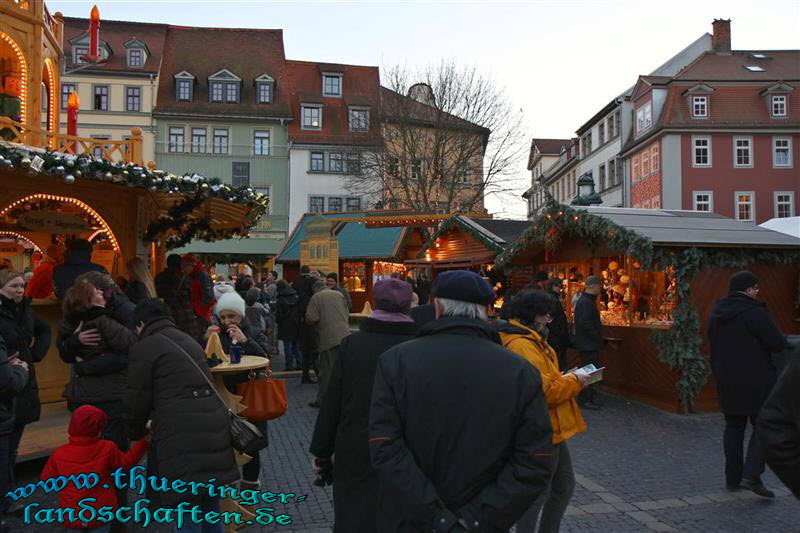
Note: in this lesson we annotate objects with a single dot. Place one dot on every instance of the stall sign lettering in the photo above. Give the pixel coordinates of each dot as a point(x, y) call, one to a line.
point(53, 223)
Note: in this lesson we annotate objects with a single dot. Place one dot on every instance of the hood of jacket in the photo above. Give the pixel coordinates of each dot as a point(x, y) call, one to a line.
point(289, 295)
point(453, 325)
point(734, 305)
point(78, 257)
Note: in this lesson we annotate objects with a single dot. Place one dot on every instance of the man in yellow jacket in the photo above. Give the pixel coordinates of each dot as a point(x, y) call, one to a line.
point(526, 334)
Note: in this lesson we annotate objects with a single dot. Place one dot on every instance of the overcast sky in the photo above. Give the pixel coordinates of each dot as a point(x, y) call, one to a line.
point(560, 61)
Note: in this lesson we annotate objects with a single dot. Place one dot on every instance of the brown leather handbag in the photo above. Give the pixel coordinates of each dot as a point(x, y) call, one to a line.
point(265, 398)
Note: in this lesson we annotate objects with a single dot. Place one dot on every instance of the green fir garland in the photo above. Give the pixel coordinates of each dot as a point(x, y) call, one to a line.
point(678, 347)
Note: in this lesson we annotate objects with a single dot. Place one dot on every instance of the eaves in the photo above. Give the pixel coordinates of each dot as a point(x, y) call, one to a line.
point(157, 114)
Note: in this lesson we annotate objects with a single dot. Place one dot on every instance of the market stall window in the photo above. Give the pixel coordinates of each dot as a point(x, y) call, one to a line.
point(354, 277)
point(384, 270)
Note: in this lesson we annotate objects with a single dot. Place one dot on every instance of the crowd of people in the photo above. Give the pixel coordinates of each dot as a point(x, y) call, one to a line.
point(433, 416)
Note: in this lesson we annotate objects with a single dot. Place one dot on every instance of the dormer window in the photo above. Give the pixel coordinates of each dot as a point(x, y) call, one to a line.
point(359, 119)
point(700, 106)
point(135, 57)
point(644, 117)
point(264, 87)
point(778, 107)
point(224, 86)
point(79, 52)
point(332, 84)
point(184, 87)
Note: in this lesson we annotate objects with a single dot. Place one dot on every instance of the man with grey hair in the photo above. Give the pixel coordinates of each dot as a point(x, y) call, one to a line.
point(327, 312)
point(459, 433)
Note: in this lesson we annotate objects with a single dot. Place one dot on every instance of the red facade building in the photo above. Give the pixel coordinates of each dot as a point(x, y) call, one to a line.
point(722, 135)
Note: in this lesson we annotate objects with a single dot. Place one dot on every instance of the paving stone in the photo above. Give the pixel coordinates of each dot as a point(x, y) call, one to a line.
point(572, 511)
point(649, 505)
point(723, 496)
point(696, 500)
point(658, 526)
point(598, 508)
point(641, 516)
point(609, 497)
point(624, 507)
point(673, 502)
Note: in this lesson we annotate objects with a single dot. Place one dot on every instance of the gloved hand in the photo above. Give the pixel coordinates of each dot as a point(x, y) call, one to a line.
point(323, 467)
point(582, 375)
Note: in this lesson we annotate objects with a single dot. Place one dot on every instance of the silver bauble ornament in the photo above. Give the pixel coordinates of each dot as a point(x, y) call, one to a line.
point(69, 179)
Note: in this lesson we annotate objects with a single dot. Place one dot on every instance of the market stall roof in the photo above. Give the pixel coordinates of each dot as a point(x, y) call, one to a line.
point(787, 225)
point(356, 240)
point(693, 228)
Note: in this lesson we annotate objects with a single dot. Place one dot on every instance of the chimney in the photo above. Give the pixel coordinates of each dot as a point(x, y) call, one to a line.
point(721, 39)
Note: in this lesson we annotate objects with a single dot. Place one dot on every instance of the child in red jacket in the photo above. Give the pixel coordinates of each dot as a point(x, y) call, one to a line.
point(87, 452)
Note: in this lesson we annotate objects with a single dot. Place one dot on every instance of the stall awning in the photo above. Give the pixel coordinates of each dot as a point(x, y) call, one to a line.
point(251, 247)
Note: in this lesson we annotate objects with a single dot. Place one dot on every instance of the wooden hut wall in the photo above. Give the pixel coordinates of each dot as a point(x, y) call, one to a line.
point(457, 244)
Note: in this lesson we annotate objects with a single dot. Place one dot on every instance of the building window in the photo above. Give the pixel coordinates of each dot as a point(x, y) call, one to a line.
point(312, 117)
point(175, 140)
point(779, 106)
point(231, 93)
point(784, 204)
point(359, 119)
point(463, 175)
point(316, 204)
point(240, 173)
point(745, 206)
point(80, 52)
point(335, 204)
point(644, 117)
point(101, 98)
point(198, 140)
point(703, 201)
point(602, 176)
point(616, 123)
point(601, 134)
point(702, 151)
point(645, 162)
point(586, 144)
point(216, 91)
point(417, 169)
point(353, 163)
point(264, 93)
point(393, 166)
point(133, 99)
point(781, 152)
point(354, 203)
point(332, 85)
point(654, 160)
point(335, 162)
point(184, 88)
point(135, 57)
point(700, 106)
point(611, 133)
point(635, 168)
point(743, 152)
point(261, 143)
point(317, 162)
point(66, 90)
point(220, 141)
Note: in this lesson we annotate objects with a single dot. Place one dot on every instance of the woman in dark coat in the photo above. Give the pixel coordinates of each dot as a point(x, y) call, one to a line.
point(234, 328)
point(343, 419)
point(31, 335)
point(287, 316)
point(98, 367)
point(13, 378)
point(190, 426)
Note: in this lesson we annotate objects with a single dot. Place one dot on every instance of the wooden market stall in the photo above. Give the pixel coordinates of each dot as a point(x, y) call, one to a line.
point(362, 247)
point(662, 272)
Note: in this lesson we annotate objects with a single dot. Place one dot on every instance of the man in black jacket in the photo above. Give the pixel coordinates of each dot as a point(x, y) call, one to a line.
point(459, 433)
point(558, 337)
point(304, 286)
point(779, 426)
point(743, 336)
point(589, 334)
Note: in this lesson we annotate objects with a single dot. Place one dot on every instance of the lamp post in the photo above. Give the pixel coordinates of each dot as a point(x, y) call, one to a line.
point(586, 193)
point(73, 104)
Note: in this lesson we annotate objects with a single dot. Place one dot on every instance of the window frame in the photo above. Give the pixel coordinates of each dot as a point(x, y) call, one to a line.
point(177, 146)
point(64, 98)
point(772, 103)
point(263, 85)
point(234, 177)
point(612, 172)
point(107, 96)
point(194, 147)
point(710, 201)
point(330, 208)
point(788, 140)
point(311, 162)
point(310, 107)
point(709, 154)
point(636, 168)
point(655, 158)
point(236, 92)
point(353, 111)
point(348, 201)
point(417, 169)
point(646, 118)
point(76, 55)
point(130, 54)
point(180, 83)
point(259, 135)
point(215, 145)
point(138, 97)
point(337, 168)
point(601, 177)
point(352, 163)
point(752, 203)
point(750, 155)
point(601, 133)
point(311, 199)
point(212, 86)
point(332, 75)
point(696, 98)
point(775, 205)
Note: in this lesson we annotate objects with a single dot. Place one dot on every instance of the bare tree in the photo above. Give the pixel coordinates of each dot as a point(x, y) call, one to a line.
point(450, 139)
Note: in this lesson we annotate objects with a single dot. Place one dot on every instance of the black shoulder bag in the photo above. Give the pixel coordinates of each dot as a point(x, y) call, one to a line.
point(244, 435)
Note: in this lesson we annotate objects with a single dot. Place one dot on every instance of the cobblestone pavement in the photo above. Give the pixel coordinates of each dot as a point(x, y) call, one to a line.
point(638, 469)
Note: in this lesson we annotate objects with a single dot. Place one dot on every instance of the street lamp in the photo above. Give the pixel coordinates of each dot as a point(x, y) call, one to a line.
point(586, 194)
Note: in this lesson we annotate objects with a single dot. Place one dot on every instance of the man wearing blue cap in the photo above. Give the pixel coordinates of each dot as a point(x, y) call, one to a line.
point(459, 433)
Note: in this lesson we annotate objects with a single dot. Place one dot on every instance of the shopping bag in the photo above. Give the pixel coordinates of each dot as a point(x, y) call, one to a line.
point(264, 398)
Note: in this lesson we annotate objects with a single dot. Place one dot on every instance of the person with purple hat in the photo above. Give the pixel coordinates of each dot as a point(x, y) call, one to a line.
point(459, 433)
point(341, 426)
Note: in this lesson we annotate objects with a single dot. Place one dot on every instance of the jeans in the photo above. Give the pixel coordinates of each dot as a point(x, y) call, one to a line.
point(291, 350)
point(587, 394)
point(14, 439)
point(326, 362)
point(737, 467)
point(206, 504)
point(555, 499)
